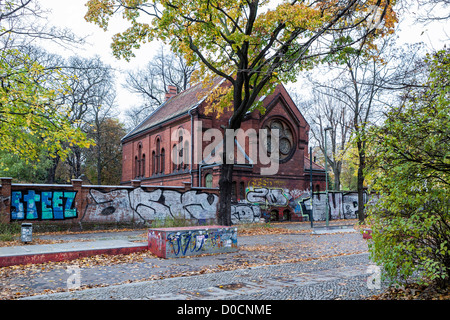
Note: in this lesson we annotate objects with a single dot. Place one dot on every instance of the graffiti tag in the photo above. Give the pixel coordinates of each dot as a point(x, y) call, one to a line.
point(43, 205)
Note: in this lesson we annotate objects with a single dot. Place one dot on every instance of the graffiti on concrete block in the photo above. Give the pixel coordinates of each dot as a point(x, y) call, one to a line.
point(43, 205)
point(186, 242)
point(138, 205)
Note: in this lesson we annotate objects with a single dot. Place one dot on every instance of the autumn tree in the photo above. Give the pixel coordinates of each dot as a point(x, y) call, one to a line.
point(92, 92)
point(251, 44)
point(354, 96)
point(410, 221)
point(104, 160)
point(31, 119)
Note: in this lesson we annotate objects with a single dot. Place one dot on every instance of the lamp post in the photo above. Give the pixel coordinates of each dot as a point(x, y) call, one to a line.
point(326, 177)
point(311, 217)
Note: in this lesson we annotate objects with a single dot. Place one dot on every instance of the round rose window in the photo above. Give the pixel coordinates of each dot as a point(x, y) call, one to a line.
point(286, 138)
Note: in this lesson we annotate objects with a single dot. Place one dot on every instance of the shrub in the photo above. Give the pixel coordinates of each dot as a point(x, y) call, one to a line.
point(411, 221)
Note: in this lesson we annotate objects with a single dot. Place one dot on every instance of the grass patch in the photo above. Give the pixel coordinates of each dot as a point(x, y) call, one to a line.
point(9, 231)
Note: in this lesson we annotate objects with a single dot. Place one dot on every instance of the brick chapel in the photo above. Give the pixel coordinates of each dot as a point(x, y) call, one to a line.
point(148, 148)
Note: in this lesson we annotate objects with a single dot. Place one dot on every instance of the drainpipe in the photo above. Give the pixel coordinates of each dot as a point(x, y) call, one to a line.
point(192, 144)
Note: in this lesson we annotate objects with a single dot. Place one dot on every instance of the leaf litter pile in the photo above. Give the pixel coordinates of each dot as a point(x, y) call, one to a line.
point(51, 277)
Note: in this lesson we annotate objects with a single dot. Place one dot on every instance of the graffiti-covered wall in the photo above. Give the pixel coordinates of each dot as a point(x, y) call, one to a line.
point(148, 205)
point(139, 204)
point(105, 204)
point(265, 203)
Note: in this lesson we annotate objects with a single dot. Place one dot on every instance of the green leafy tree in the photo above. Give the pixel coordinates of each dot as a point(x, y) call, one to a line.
point(411, 221)
point(32, 119)
point(25, 171)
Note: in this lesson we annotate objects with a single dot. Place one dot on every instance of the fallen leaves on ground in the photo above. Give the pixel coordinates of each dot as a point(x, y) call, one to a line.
point(37, 240)
point(276, 252)
point(414, 291)
point(266, 230)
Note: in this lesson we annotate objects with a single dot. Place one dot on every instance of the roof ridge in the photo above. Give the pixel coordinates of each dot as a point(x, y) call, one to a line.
point(180, 107)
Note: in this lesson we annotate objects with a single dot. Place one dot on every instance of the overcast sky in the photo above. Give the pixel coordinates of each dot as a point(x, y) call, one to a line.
point(70, 14)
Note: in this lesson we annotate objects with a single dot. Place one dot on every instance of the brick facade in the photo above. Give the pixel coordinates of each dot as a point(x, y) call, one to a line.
point(147, 150)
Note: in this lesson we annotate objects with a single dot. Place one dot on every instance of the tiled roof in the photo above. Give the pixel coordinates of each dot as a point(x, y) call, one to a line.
point(175, 106)
point(315, 166)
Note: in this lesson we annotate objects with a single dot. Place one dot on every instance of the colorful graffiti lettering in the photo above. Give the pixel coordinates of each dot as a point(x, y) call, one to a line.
point(125, 204)
point(180, 242)
point(43, 205)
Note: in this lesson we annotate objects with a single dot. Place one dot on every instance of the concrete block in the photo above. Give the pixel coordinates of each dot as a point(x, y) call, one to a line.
point(191, 241)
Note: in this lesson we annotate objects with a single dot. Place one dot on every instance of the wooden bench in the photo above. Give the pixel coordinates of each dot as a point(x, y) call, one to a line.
point(190, 241)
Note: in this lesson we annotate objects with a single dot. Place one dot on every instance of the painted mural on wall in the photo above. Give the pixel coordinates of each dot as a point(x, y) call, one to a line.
point(180, 242)
point(43, 205)
point(297, 203)
point(138, 205)
point(244, 212)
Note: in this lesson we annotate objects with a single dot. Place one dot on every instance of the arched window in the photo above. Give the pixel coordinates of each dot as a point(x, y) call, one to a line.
point(163, 157)
point(286, 141)
point(208, 180)
point(153, 162)
point(180, 150)
point(158, 158)
point(174, 158)
point(136, 167)
point(138, 162)
point(186, 154)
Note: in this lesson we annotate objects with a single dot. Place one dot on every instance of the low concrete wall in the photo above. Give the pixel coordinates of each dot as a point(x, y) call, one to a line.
point(189, 241)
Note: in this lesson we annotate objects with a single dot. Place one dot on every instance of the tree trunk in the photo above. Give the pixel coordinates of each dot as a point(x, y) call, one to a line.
point(225, 187)
point(51, 174)
point(361, 167)
point(337, 178)
point(99, 165)
point(99, 172)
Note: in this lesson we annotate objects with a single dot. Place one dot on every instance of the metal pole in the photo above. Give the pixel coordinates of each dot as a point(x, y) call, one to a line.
point(311, 186)
point(326, 177)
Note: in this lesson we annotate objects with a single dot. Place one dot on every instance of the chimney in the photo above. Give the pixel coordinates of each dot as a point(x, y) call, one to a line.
point(171, 92)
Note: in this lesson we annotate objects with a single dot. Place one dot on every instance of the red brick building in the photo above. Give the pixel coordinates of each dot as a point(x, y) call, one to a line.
point(149, 149)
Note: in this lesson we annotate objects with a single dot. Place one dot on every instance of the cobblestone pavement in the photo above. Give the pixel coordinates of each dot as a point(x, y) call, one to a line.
point(343, 277)
point(274, 266)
